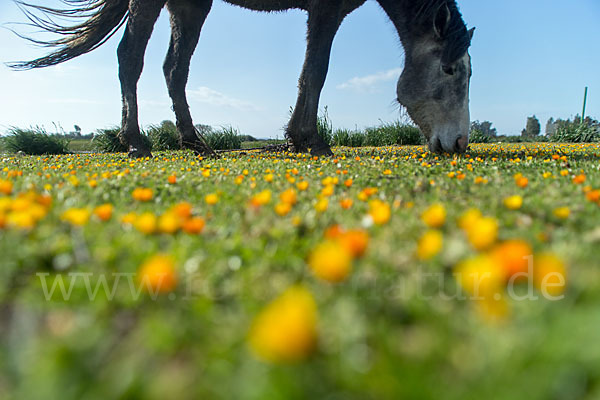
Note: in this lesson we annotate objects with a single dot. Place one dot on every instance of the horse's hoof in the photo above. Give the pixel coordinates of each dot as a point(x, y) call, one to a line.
point(321, 151)
point(138, 153)
point(198, 147)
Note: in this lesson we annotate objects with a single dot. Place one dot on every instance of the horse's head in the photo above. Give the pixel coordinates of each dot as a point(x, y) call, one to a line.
point(434, 86)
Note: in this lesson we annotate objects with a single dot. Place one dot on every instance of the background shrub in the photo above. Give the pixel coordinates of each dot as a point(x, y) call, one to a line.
point(107, 141)
point(226, 138)
point(476, 136)
point(325, 127)
point(576, 133)
point(34, 141)
point(164, 136)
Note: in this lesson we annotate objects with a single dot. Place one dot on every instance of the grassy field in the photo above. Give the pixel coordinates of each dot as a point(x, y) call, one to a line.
point(381, 273)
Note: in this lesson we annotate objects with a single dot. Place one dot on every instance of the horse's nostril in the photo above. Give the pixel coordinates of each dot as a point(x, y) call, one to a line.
point(461, 143)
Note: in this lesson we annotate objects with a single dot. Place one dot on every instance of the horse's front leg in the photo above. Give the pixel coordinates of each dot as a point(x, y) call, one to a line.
point(187, 19)
point(142, 16)
point(323, 23)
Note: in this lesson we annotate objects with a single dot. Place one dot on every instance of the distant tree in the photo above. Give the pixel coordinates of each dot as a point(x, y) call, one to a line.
point(77, 130)
point(484, 127)
point(532, 128)
point(551, 127)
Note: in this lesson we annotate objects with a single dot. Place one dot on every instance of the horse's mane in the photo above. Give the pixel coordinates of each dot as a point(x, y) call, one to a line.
point(457, 38)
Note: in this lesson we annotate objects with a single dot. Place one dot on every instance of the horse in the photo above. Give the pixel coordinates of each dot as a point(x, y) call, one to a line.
point(433, 87)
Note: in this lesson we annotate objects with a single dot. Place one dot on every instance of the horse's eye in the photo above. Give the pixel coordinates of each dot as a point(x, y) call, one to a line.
point(448, 69)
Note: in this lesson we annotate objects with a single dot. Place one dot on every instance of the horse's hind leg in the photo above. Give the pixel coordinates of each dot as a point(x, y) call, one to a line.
point(142, 16)
point(187, 18)
point(323, 23)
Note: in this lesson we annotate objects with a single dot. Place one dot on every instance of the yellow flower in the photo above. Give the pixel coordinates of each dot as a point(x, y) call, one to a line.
point(513, 202)
point(146, 223)
point(379, 211)
point(169, 223)
point(322, 205)
point(76, 216)
point(104, 212)
point(129, 218)
point(302, 185)
point(434, 216)
point(549, 274)
point(481, 276)
point(269, 178)
point(282, 209)
point(469, 218)
point(483, 233)
point(158, 274)
point(562, 212)
point(430, 244)
point(285, 331)
point(142, 194)
point(331, 261)
point(211, 199)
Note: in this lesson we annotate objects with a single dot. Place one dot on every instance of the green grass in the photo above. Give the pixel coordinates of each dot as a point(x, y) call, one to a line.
point(391, 330)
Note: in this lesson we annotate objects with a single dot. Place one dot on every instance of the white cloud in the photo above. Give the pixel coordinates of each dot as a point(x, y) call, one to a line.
point(210, 96)
point(368, 83)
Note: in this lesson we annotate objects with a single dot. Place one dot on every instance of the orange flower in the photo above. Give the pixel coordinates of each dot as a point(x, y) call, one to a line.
point(158, 274)
point(288, 196)
point(380, 212)
point(143, 194)
point(104, 212)
point(330, 261)
point(193, 225)
point(522, 182)
point(183, 210)
point(356, 241)
point(348, 182)
point(261, 199)
point(172, 179)
point(6, 187)
point(283, 209)
point(579, 179)
point(513, 256)
point(346, 203)
point(593, 196)
point(434, 216)
point(286, 330)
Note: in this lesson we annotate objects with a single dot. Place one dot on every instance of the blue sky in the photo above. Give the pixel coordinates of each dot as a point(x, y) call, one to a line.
point(529, 57)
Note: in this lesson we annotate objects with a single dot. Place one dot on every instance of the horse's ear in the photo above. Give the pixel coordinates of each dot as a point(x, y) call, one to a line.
point(441, 22)
point(471, 33)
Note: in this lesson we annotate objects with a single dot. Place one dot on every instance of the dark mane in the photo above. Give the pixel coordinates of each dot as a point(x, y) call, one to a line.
point(457, 39)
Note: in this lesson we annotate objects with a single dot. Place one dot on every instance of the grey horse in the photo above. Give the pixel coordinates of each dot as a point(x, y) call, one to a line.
point(434, 85)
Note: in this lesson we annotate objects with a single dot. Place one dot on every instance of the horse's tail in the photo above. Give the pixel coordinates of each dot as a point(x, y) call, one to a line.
point(103, 18)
